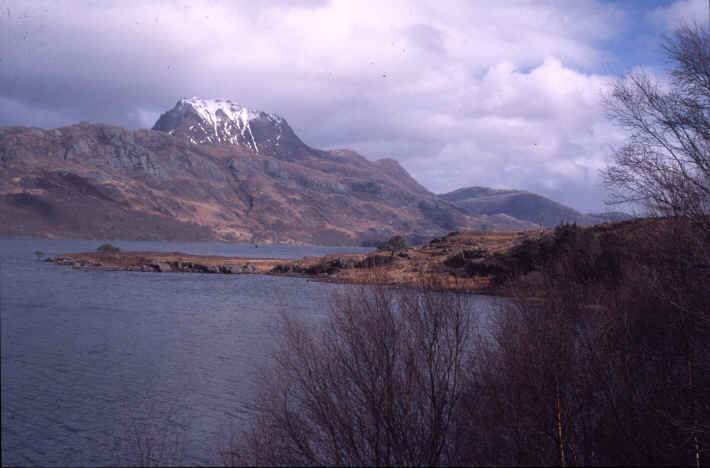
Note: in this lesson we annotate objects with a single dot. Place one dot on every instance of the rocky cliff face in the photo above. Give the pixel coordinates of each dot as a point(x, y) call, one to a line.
point(101, 181)
point(217, 121)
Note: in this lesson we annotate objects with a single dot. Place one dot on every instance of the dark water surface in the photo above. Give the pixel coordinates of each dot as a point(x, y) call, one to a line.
point(90, 356)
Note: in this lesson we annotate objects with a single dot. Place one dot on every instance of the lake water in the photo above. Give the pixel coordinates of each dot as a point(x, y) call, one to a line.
point(89, 357)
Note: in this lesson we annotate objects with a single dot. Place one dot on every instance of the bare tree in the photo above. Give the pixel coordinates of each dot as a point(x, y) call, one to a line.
point(665, 164)
point(378, 384)
point(608, 366)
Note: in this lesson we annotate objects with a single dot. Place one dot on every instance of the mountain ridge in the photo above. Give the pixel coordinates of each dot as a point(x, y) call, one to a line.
point(215, 170)
point(524, 205)
point(102, 181)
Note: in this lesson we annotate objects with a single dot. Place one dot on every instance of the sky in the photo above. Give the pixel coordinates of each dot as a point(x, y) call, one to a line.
point(462, 93)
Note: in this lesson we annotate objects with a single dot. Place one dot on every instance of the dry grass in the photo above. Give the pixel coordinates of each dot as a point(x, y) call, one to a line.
point(404, 268)
point(137, 261)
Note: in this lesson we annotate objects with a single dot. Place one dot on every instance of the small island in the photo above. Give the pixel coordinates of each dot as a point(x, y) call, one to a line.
point(462, 261)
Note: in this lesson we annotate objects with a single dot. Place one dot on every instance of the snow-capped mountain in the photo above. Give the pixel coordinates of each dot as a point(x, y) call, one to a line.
point(220, 121)
point(95, 181)
point(212, 169)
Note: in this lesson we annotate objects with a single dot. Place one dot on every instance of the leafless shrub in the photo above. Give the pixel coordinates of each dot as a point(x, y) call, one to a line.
point(379, 384)
point(666, 166)
point(609, 366)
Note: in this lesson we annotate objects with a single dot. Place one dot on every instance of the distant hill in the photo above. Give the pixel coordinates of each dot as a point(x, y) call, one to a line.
point(525, 206)
point(213, 170)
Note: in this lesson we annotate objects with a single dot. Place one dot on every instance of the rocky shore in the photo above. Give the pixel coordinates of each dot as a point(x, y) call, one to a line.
point(468, 261)
point(161, 262)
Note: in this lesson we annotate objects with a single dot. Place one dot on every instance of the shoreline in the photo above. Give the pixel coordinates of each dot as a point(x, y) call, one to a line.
point(158, 262)
point(441, 264)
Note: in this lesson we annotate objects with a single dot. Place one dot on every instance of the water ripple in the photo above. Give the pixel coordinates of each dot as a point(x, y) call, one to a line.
point(87, 354)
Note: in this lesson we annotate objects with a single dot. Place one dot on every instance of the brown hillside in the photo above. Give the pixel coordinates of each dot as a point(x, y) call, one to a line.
point(100, 181)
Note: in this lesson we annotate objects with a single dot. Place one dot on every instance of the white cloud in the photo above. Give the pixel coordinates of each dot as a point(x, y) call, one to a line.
point(462, 93)
point(543, 130)
point(681, 12)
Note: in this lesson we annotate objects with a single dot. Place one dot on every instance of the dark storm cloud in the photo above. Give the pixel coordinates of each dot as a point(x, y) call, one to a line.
point(461, 93)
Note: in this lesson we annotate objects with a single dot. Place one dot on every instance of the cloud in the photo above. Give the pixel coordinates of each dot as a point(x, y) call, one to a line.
point(462, 93)
point(541, 130)
point(681, 12)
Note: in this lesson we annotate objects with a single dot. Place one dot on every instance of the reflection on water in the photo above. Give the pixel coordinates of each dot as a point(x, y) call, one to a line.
point(89, 356)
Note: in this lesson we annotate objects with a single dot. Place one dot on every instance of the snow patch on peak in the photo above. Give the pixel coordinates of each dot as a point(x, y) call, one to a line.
point(222, 116)
point(210, 109)
point(221, 121)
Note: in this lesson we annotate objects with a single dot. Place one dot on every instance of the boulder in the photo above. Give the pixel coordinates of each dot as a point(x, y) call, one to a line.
point(164, 267)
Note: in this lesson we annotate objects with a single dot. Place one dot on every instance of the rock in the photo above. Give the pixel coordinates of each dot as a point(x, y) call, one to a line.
point(164, 267)
point(283, 268)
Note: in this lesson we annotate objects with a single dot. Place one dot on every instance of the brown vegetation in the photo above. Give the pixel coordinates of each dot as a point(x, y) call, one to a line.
point(472, 261)
point(166, 262)
point(608, 365)
point(461, 261)
point(380, 384)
